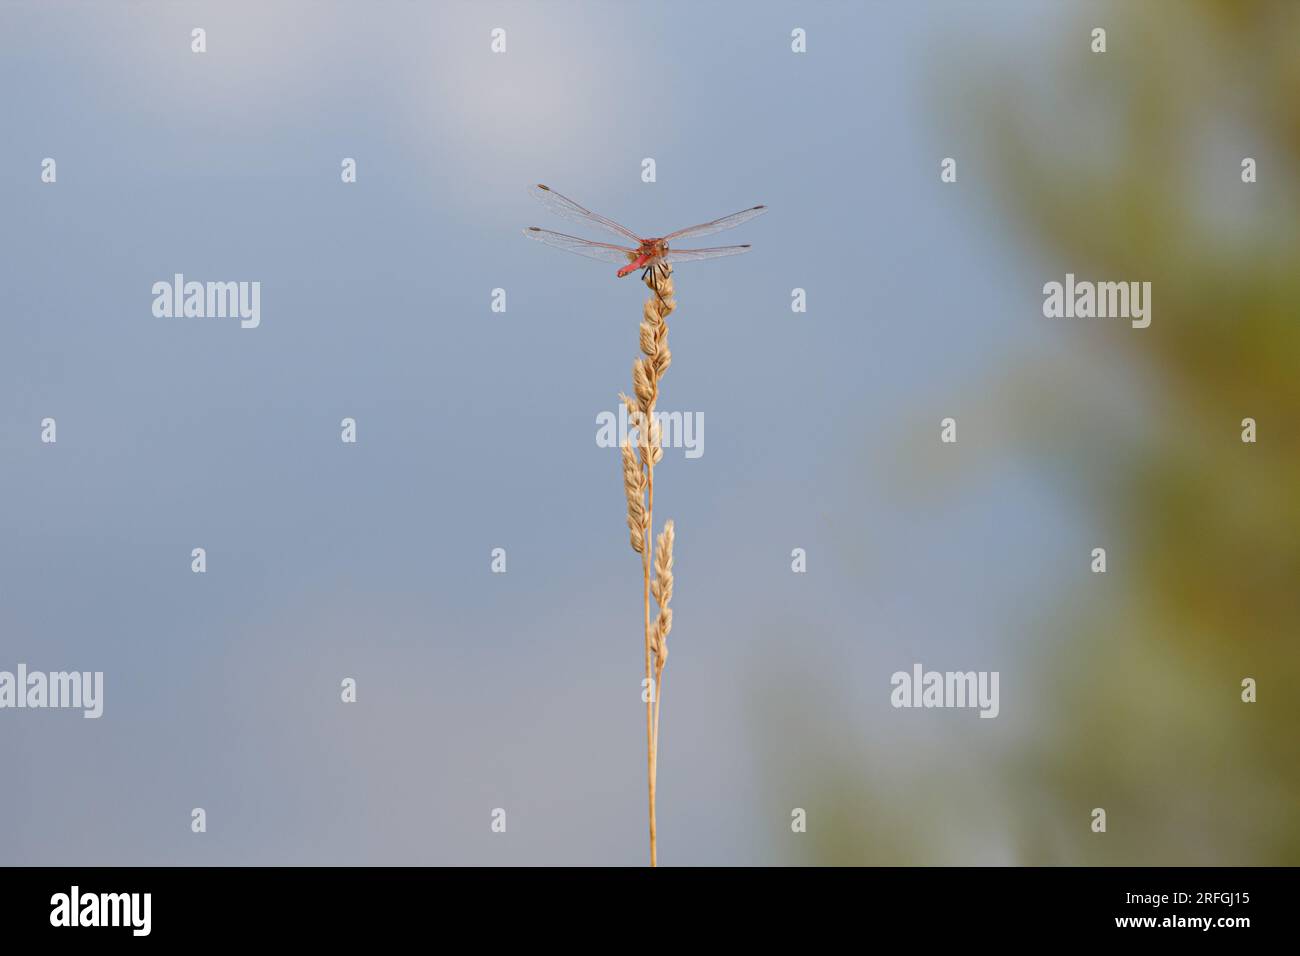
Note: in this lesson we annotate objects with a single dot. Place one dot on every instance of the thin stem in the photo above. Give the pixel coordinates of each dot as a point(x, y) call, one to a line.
point(650, 707)
point(659, 689)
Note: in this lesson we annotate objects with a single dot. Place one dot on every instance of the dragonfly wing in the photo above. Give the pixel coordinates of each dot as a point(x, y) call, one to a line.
point(565, 207)
point(717, 225)
point(583, 247)
point(717, 252)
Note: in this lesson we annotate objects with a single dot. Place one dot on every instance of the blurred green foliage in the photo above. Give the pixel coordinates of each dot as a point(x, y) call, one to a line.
point(1148, 717)
point(1126, 166)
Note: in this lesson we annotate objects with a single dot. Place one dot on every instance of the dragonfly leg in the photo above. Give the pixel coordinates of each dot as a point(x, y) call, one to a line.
point(660, 269)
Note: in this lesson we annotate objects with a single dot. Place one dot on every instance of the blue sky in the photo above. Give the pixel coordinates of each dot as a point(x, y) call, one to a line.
point(476, 429)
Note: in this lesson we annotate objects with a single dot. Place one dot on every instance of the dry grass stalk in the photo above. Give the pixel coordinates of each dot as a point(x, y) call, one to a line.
point(634, 486)
point(662, 588)
point(638, 483)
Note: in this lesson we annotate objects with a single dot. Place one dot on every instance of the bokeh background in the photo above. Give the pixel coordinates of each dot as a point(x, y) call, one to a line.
point(476, 430)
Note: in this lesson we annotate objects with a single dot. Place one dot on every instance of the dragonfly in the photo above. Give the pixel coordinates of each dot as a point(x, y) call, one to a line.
point(646, 254)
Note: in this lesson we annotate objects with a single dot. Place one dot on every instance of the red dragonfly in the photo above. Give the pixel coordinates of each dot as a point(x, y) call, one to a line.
point(644, 254)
